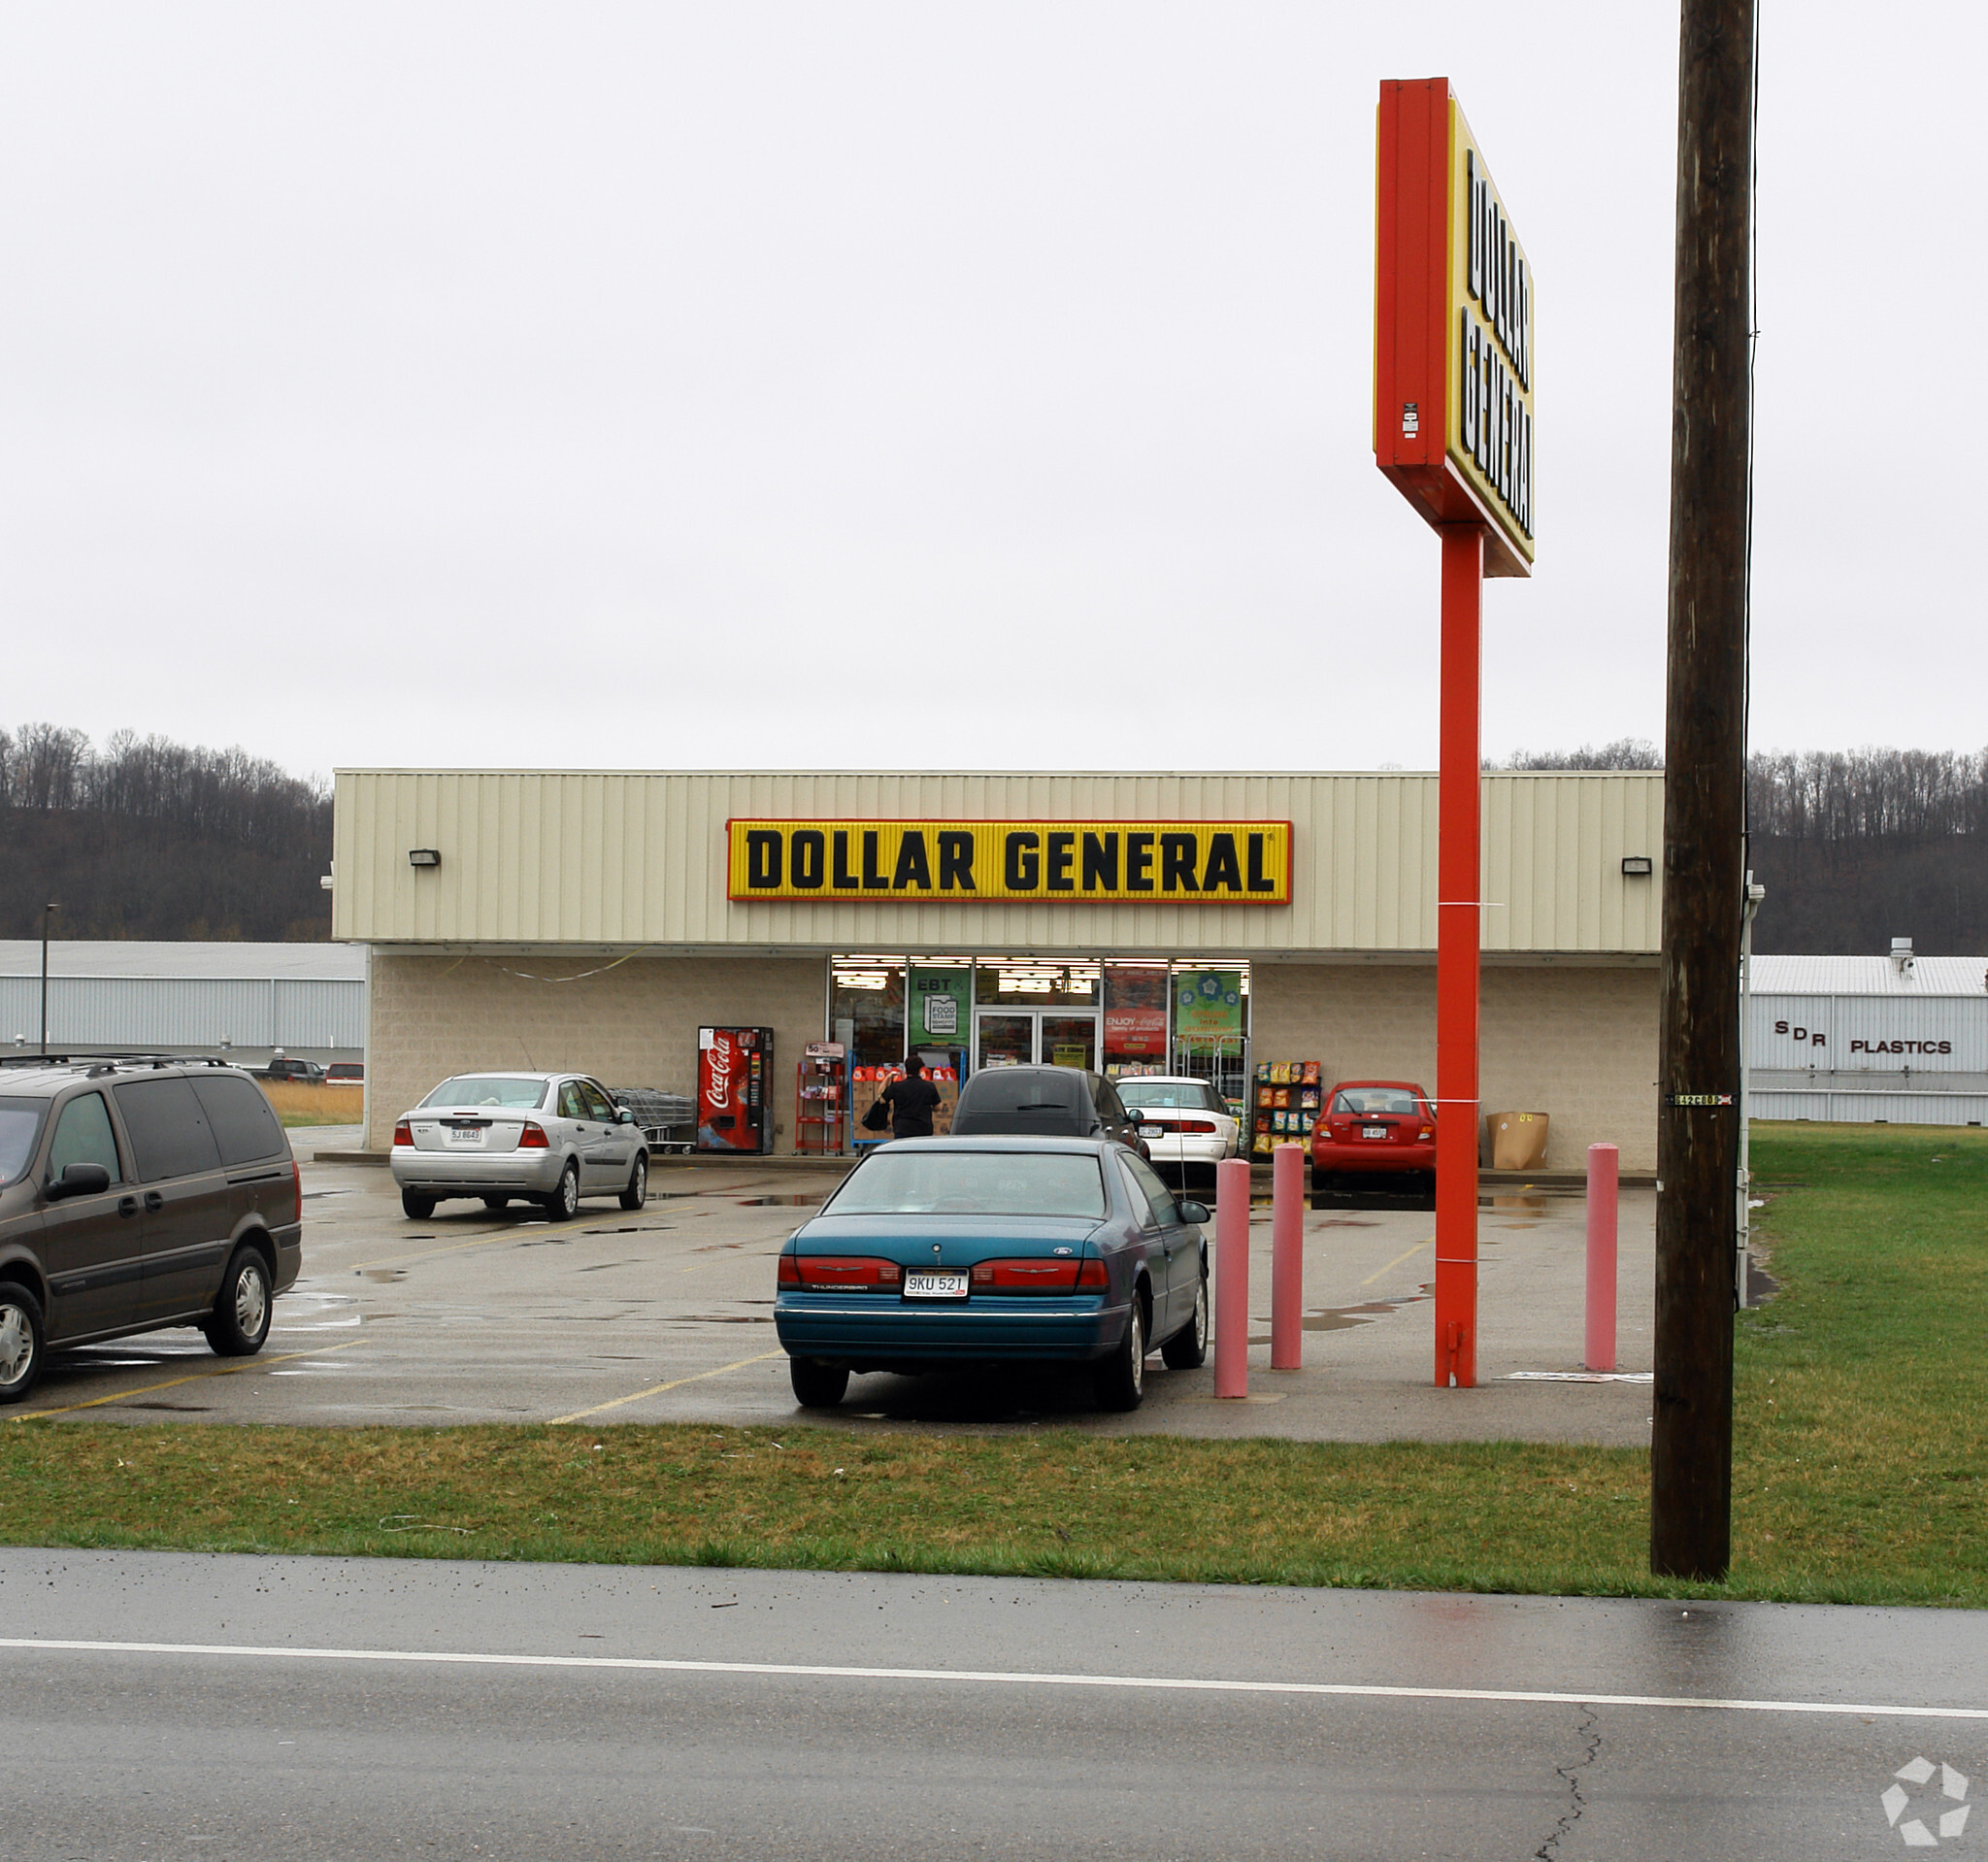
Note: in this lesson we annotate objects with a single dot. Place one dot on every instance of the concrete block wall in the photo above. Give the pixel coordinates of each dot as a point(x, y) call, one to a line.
point(1575, 1041)
point(633, 1025)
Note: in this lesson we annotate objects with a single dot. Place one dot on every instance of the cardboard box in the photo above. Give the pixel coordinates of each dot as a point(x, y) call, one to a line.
point(1518, 1140)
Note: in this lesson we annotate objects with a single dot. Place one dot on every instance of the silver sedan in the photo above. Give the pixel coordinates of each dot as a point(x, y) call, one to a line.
point(547, 1138)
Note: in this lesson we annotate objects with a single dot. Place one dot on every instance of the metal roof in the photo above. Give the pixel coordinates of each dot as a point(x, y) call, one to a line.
point(129, 957)
point(1796, 976)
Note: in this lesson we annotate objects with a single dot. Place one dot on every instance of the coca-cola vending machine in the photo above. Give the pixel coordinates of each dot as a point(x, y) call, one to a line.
point(734, 1089)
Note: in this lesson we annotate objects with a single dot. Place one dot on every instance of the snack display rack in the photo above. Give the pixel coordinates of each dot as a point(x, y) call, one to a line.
point(1286, 1103)
point(821, 1099)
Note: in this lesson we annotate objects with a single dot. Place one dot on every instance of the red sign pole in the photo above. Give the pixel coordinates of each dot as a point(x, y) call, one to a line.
point(1458, 921)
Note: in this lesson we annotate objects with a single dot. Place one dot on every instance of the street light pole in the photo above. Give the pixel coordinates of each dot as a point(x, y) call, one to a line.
point(48, 911)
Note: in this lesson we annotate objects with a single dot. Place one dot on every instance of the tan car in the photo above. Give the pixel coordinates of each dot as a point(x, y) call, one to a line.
point(138, 1193)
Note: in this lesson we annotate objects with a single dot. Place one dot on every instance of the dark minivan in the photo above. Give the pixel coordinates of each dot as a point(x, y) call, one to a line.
point(135, 1194)
point(1043, 1102)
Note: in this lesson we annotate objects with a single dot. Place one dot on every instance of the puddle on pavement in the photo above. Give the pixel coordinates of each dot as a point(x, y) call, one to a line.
point(1339, 1318)
point(601, 1267)
point(792, 1200)
point(189, 1409)
point(386, 1276)
point(310, 1195)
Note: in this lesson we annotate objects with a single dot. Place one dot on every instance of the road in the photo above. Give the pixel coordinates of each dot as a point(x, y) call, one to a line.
point(665, 1313)
point(264, 1707)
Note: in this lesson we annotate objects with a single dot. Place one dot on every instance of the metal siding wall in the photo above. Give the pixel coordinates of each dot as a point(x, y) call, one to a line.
point(186, 1012)
point(639, 860)
point(1869, 1108)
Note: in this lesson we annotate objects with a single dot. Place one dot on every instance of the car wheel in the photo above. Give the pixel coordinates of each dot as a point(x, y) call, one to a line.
point(241, 1314)
point(637, 1193)
point(564, 1202)
point(1119, 1382)
point(416, 1206)
point(818, 1386)
point(1187, 1348)
point(496, 1202)
point(20, 1341)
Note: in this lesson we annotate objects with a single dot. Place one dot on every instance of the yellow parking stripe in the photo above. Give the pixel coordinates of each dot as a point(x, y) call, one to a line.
point(656, 1389)
point(192, 1377)
point(1397, 1261)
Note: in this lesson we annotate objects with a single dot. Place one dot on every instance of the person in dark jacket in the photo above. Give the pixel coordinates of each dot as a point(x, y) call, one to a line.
point(911, 1099)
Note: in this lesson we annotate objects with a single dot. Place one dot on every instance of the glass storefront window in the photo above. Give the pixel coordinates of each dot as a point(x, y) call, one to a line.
point(868, 994)
point(1025, 984)
point(1136, 1001)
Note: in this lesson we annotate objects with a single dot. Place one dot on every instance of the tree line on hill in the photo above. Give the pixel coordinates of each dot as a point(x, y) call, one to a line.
point(1855, 847)
point(144, 838)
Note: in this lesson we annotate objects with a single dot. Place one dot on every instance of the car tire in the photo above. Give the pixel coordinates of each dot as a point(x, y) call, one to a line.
point(637, 1193)
point(564, 1202)
point(818, 1386)
point(22, 1341)
point(1119, 1382)
point(416, 1206)
point(242, 1310)
point(1187, 1348)
point(496, 1202)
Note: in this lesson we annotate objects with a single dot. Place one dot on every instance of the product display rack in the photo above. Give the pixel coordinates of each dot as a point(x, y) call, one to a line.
point(822, 1104)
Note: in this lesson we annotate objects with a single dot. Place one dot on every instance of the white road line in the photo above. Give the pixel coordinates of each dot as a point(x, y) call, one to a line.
point(999, 1678)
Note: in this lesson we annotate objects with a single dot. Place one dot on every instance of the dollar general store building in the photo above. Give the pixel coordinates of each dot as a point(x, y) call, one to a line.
point(552, 919)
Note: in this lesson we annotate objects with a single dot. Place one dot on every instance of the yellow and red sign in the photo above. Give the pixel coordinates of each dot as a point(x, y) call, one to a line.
point(1453, 327)
point(1001, 862)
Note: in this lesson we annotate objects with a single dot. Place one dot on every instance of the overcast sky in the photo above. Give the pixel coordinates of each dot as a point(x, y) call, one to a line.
point(860, 385)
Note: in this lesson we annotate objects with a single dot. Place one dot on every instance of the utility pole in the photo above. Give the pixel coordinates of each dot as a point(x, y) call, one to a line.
point(47, 912)
point(1704, 823)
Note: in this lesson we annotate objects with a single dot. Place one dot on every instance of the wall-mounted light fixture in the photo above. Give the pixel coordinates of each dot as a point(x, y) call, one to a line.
point(423, 857)
point(1636, 866)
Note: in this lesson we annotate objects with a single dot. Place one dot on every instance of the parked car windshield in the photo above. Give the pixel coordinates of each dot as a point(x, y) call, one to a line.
point(1373, 1098)
point(506, 1090)
point(20, 1125)
point(1169, 1095)
point(972, 1183)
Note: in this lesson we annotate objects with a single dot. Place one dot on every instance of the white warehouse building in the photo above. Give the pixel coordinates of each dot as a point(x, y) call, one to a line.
point(1901, 1040)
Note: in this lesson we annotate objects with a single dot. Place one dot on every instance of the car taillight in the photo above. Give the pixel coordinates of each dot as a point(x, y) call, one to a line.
point(533, 1137)
point(1195, 1124)
point(403, 1133)
point(297, 1184)
point(1091, 1277)
point(837, 1270)
point(1425, 1132)
point(1035, 1276)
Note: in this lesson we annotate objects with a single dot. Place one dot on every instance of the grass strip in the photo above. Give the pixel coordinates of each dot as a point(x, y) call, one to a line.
point(1859, 1459)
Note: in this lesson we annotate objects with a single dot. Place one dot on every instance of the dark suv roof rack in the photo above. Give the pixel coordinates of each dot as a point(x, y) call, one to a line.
point(110, 1062)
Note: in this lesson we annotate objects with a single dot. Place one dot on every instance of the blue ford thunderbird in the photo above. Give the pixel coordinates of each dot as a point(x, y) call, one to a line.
point(944, 1251)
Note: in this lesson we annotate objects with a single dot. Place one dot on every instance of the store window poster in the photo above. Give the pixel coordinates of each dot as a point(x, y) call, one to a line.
point(1208, 1002)
point(939, 1005)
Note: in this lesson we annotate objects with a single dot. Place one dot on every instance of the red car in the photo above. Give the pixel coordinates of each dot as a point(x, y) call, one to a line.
point(1375, 1134)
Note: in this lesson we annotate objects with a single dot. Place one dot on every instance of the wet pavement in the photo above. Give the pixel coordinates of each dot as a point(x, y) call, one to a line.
point(665, 1314)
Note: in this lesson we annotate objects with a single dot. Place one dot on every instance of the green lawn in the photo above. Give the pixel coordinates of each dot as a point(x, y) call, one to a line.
point(1859, 1457)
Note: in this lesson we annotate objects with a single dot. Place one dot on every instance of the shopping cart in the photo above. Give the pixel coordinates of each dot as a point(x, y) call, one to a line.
point(667, 1119)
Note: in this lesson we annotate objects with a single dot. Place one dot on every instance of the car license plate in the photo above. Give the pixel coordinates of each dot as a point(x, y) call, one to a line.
point(1152, 1131)
point(1372, 1131)
point(465, 1134)
point(934, 1286)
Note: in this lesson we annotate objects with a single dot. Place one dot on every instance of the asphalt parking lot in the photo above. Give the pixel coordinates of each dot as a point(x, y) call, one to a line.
point(664, 1314)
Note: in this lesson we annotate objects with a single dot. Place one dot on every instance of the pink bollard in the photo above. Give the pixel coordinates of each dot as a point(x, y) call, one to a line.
point(1286, 1257)
point(1603, 1165)
point(1232, 1278)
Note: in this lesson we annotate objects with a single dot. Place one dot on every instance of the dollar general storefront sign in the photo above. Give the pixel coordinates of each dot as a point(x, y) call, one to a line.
point(997, 862)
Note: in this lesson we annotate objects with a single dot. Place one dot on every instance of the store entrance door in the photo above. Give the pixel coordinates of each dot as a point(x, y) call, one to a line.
point(1048, 1037)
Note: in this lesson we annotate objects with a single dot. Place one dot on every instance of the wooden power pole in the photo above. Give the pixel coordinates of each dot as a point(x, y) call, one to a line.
point(1704, 763)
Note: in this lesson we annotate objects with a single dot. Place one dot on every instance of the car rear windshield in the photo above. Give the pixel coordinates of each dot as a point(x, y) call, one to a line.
point(1375, 1099)
point(1169, 1095)
point(488, 1090)
point(972, 1183)
point(20, 1125)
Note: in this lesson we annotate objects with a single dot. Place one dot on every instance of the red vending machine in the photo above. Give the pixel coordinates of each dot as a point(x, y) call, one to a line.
point(734, 1089)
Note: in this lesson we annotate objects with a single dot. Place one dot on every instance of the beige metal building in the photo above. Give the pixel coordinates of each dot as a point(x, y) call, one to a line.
point(596, 921)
